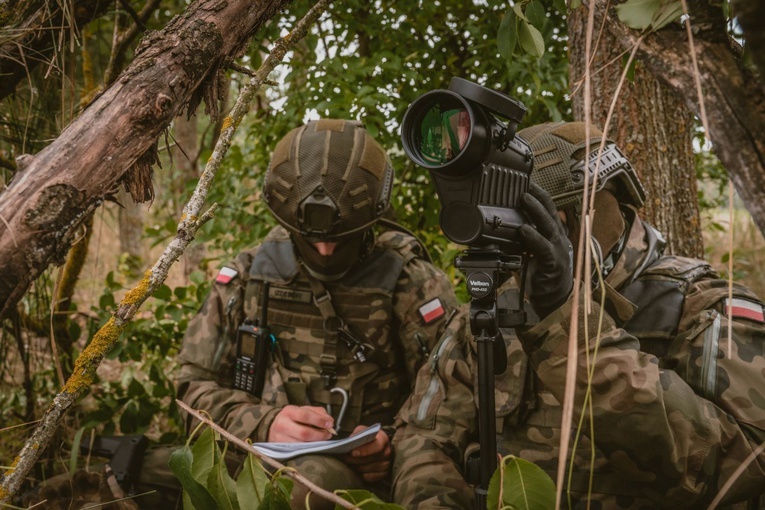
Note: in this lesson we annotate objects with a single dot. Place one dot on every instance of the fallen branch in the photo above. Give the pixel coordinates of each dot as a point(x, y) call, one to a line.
point(291, 473)
point(105, 338)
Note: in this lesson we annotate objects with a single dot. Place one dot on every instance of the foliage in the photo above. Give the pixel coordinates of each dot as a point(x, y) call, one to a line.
point(649, 14)
point(144, 392)
point(201, 468)
point(521, 485)
point(368, 63)
point(207, 484)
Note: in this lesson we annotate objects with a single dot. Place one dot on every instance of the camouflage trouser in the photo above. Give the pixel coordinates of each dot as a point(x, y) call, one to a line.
point(331, 474)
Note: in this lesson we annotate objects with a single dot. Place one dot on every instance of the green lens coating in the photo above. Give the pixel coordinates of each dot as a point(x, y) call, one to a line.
point(444, 132)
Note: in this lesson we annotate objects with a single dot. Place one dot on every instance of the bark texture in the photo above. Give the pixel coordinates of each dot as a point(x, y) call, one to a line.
point(52, 194)
point(733, 96)
point(651, 124)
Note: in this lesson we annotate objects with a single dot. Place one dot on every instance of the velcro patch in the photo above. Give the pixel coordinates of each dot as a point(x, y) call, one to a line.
point(286, 294)
point(745, 309)
point(432, 310)
point(226, 275)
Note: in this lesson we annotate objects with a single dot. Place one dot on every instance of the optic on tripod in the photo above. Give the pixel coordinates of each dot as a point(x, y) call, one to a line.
point(465, 137)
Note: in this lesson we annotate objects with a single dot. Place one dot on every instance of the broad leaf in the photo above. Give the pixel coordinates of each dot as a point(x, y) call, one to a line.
point(507, 35)
point(536, 14)
point(525, 486)
point(252, 481)
point(638, 14)
point(206, 453)
point(670, 11)
point(198, 496)
point(531, 39)
point(222, 487)
point(366, 500)
point(274, 499)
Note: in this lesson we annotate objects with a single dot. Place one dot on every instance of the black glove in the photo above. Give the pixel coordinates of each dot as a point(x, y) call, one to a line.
point(549, 278)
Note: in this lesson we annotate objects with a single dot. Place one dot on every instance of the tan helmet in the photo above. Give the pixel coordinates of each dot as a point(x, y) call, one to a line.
point(328, 180)
point(559, 164)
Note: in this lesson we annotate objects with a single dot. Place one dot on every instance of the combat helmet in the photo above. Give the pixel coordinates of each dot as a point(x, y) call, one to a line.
point(328, 179)
point(559, 164)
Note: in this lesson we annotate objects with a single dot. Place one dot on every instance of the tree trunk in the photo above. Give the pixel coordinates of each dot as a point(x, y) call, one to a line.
point(652, 126)
point(50, 196)
point(733, 97)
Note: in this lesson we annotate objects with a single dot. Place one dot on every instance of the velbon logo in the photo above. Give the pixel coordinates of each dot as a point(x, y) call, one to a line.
point(478, 283)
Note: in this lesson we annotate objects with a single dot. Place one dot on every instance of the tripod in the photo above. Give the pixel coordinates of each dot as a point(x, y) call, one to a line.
point(485, 270)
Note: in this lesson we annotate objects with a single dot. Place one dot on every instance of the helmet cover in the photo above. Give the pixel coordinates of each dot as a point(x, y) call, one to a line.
point(559, 164)
point(327, 180)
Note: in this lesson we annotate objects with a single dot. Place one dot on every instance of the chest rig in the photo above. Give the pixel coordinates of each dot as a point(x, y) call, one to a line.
point(335, 347)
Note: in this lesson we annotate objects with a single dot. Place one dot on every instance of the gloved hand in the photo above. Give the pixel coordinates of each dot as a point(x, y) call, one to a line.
point(549, 277)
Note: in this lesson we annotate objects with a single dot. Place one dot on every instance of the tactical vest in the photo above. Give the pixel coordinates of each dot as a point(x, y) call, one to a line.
point(363, 299)
point(664, 311)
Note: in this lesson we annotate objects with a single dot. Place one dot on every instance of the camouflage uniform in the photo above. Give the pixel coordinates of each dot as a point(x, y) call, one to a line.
point(381, 301)
point(676, 407)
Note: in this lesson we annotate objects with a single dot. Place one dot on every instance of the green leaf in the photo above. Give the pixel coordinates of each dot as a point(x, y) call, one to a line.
point(536, 14)
point(525, 486)
point(668, 12)
point(507, 35)
point(638, 14)
point(274, 499)
point(252, 481)
point(163, 292)
point(198, 496)
point(518, 9)
point(366, 500)
point(222, 487)
point(206, 454)
point(75, 451)
point(531, 39)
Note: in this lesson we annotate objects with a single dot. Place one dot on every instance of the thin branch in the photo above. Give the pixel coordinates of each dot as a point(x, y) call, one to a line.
point(295, 475)
point(740, 469)
point(136, 18)
point(105, 338)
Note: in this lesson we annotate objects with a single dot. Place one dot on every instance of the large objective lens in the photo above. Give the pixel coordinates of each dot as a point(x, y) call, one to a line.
point(444, 132)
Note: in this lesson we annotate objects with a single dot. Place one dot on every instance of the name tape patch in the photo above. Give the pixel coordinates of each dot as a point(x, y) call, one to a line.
point(285, 294)
point(432, 310)
point(744, 309)
point(226, 275)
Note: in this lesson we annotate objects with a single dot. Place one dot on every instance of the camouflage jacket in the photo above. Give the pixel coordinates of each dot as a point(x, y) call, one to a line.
point(676, 406)
point(390, 300)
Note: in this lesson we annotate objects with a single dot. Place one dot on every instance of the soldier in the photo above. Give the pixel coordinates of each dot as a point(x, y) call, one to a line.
point(352, 313)
point(676, 407)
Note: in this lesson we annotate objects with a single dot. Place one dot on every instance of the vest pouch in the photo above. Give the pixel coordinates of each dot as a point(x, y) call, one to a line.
point(429, 390)
point(280, 387)
point(509, 386)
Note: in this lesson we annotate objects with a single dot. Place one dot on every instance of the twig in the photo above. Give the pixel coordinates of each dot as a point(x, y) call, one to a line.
point(105, 338)
point(295, 475)
point(136, 18)
point(740, 469)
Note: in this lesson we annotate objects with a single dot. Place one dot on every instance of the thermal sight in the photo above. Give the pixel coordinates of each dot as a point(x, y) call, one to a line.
point(465, 137)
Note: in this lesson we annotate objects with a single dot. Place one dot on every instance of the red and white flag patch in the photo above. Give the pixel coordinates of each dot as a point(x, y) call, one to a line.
point(432, 310)
point(744, 309)
point(226, 275)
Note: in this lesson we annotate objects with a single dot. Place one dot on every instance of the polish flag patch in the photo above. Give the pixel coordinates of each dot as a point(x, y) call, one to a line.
point(226, 275)
point(744, 309)
point(432, 310)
